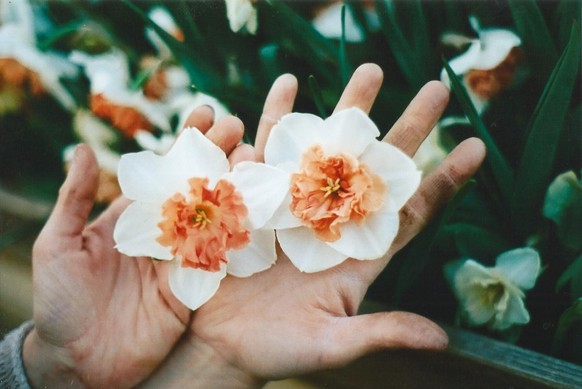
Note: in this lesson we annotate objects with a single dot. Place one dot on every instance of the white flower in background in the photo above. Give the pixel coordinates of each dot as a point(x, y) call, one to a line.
point(344, 191)
point(242, 15)
point(97, 135)
point(162, 17)
point(495, 295)
point(488, 65)
point(111, 98)
point(327, 22)
point(184, 103)
point(431, 152)
point(190, 209)
point(21, 63)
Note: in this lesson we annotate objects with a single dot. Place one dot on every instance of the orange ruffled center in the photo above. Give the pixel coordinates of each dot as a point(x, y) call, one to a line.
point(331, 191)
point(15, 75)
point(201, 228)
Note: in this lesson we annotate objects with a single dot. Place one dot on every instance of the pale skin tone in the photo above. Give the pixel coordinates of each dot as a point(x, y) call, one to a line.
point(105, 320)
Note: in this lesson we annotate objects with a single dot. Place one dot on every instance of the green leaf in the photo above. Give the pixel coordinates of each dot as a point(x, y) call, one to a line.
point(570, 316)
point(415, 256)
point(478, 242)
point(563, 205)
point(345, 70)
point(573, 276)
point(532, 29)
point(544, 130)
point(566, 13)
point(404, 54)
point(317, 96)
point(201, 74)
point(497, 162)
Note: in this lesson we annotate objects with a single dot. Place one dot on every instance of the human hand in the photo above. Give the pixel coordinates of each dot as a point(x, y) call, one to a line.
point(102, 319)
point(282, 322)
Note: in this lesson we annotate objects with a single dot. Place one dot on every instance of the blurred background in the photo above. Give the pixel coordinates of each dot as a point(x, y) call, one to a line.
point(121, 75)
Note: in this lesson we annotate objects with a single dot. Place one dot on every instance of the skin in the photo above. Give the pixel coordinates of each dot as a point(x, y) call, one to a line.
point(281, 322)
point(105, 320)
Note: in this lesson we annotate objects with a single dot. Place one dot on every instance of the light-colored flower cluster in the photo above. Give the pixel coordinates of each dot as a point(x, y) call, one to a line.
point(328, 189)
point(494, 296)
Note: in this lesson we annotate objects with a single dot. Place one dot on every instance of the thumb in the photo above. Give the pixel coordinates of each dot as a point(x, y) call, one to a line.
point(63, 230)
point(356, 336)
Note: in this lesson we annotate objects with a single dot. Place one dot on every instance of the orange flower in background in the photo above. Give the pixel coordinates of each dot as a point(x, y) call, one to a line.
point(14, 74)
point(126, 119)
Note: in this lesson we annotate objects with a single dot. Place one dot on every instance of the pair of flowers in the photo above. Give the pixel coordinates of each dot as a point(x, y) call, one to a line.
point(328, 188)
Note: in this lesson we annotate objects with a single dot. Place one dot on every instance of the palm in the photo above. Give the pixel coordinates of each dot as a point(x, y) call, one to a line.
point(102, 308)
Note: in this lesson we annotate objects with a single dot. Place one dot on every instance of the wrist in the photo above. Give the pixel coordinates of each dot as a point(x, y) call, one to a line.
point(46, 365)
point(195, 364)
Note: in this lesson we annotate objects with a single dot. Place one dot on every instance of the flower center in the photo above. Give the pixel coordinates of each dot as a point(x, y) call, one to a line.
point(330, 191)
point(201, 228)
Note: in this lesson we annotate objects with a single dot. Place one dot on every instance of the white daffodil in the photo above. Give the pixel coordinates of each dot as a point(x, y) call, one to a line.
point(242, 15)
point(190, 209)
point(22, 63)
point(328, 22)
point(488, 65)
point(495, 295)
point(111, 97)
point(162, 17)
point(431, 152)
point(344, 191)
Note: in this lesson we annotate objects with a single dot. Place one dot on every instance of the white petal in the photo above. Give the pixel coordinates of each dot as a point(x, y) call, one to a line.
point(306, 252)
point(495, 47)
point(520, 266)
point(396, 168)
point(263, 189)
point(257, 256)
point(371, 239)
point(467, 274)
point(515, 313)
point(328, 24)
point(197, 156)
point(194, 287)
point(282, 217)
point(349, 131)
point(289, 138)
point(148, 177)
point(136, 231)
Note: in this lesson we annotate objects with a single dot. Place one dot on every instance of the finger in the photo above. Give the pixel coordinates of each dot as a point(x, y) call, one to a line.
point(355, 336)
point(434, 192)
point(226, 133)
point(108, 218)
point(63, 230)
point(279, 102)
point(243, 152)
point(438, 188)
point(419, 118)
point(362, 88)
point(201, 118)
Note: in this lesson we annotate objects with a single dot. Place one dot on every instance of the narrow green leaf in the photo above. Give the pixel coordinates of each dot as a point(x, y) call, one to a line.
point(345, 71)
point(566, 13)
point(317, 96)
point(532, 29)
point(497, 162)
point(573, 276)
point(403, 52)
point(415, 256)
point(570, 316)
point(544, 131)
point(202, 76)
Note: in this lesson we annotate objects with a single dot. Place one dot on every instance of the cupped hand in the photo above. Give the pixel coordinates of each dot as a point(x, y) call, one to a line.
point(281, 322)
point(102, 319)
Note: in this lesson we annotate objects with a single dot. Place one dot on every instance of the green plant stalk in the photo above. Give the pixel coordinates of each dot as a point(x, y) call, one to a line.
point(544, 131)
point(317, 96)
point(499, 166)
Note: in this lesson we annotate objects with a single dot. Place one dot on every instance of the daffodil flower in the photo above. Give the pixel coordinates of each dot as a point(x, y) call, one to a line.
point(22, 63)
point(495, 295)
point(344, 191)
point(488, 65)
point(242, 15)
point(113, 100)
point(190, 209)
